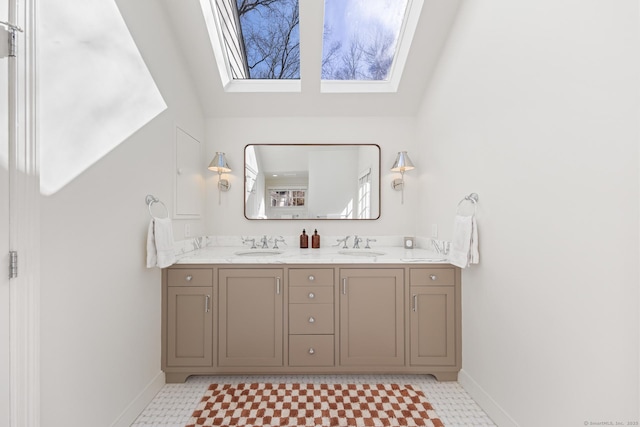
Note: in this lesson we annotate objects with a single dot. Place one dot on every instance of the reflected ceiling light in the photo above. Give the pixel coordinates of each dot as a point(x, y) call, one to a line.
point(402, 164)
point(219, 164)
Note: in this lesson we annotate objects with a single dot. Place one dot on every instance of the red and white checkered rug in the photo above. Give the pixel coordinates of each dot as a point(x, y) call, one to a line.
point(326, 405)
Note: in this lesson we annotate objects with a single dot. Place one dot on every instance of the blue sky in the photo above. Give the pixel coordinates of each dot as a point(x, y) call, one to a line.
point(359, 17)
point(346, 16)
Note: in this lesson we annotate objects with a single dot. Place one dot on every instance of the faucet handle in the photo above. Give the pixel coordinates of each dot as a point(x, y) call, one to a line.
point(369, 240)
point(441, 246)
point(276, 240)
point(344, 240)
point(246, 240)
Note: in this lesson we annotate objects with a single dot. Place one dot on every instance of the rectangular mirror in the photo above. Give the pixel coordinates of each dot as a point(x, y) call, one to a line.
point(325, 181)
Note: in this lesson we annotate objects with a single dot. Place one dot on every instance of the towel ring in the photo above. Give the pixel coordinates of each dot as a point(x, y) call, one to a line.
point(473, 198)
point(151, 200)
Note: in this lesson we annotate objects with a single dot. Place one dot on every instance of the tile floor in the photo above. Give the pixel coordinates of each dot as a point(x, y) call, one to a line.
point(174, 404)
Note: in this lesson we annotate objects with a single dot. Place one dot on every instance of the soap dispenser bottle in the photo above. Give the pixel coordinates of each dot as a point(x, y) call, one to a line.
point(304, 240)
point(315, 240)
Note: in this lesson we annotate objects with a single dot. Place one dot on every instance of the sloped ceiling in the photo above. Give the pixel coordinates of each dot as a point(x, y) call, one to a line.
point(189, 27)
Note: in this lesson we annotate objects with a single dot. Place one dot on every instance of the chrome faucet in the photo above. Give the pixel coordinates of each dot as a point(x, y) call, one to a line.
point(276, 240)
point(444, 249)
point(265, 242)
point(344, 240)
point(356, 242)
point(369, 240)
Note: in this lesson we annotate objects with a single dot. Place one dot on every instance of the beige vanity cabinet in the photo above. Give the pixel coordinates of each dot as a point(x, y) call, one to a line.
point(435, 319)
point(250, 327)
point(372, 317)
point(311, 318)
point(188, 318)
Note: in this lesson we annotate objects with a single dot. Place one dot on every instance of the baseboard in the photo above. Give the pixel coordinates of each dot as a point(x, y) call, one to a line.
point(141, 401)
point(499, 416)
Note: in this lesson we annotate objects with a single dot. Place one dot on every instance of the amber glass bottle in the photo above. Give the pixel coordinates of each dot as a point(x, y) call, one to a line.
point(304, 240)
point(315, 240)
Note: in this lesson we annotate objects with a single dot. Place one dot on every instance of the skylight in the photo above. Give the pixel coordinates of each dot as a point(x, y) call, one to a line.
point(271, 33)
point(258, 43)
point(360, 38)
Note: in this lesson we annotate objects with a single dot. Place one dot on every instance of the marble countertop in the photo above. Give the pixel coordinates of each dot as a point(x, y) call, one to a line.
point(330, 255)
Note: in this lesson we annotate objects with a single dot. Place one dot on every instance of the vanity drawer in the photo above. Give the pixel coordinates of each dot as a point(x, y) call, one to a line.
point(190, 277)
point(432, 276)
point(310, 319)
point(311, 350)
point(311, 276)
point(311, 295)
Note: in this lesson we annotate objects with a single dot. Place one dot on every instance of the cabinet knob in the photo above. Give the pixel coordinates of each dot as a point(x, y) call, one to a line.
point(312, 320)
point(312, 278)
point(433, 277)
point(312, 295)
point(312, 351)
point(188, 278)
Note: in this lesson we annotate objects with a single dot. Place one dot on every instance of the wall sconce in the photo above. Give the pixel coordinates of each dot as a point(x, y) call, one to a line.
point(402, 164)
point(219, 164)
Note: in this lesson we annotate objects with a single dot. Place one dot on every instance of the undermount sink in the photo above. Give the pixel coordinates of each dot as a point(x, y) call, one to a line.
point(361, 252)
point(258, 252)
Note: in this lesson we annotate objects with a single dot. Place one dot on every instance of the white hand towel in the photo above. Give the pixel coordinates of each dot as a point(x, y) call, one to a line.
point(474, 256)
point(152, 255)
point(464, 244)
point(160, 251)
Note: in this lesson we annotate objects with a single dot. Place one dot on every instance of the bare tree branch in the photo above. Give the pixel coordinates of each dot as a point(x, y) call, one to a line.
point(271, 40)
point(246, 6)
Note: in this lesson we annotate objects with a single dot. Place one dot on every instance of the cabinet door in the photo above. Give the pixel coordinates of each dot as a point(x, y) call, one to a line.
point(433, 326)
point(371, 317)
point(250, 323)
point(189, 326)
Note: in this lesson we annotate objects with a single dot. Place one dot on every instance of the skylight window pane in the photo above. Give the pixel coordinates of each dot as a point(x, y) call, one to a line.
point(270, 31)
point(360, 38)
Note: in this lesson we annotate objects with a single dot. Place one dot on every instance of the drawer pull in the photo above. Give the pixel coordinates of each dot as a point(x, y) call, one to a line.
point(312, 278)
point(277, 286)
point(188, 278)
point(312, 320)
point(312, 351)
point(415, 303)
point(312, 295)
point(433, 277)
point(206, 303)
point(344, 286)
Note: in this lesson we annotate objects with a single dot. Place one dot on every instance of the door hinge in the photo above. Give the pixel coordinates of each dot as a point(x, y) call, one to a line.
point(8, 43)
point(13, 264)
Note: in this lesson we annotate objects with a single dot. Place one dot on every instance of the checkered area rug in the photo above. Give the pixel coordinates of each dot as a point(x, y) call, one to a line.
point(326, 405)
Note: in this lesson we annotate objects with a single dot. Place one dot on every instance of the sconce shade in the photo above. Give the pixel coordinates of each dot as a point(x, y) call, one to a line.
point(402, 163)
point(219, 163)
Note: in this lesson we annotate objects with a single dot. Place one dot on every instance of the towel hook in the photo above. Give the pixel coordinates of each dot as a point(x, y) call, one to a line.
point(151, 200)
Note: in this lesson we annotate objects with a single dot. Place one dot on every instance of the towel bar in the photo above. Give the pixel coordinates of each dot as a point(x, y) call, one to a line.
point(151, 200)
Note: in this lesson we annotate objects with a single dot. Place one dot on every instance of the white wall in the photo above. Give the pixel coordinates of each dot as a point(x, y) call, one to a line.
point(534, 106)
point(231, 135)
point(328, 172)
point(100, 305)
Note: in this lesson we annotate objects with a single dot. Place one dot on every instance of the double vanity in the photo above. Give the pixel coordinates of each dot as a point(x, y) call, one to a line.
point(236, 310)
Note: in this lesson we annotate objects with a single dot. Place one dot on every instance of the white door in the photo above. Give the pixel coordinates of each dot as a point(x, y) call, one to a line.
point(8, 168)
point(4, 234)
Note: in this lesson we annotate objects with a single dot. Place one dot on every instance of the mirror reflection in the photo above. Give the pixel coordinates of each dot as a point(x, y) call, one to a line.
point(329, 181)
